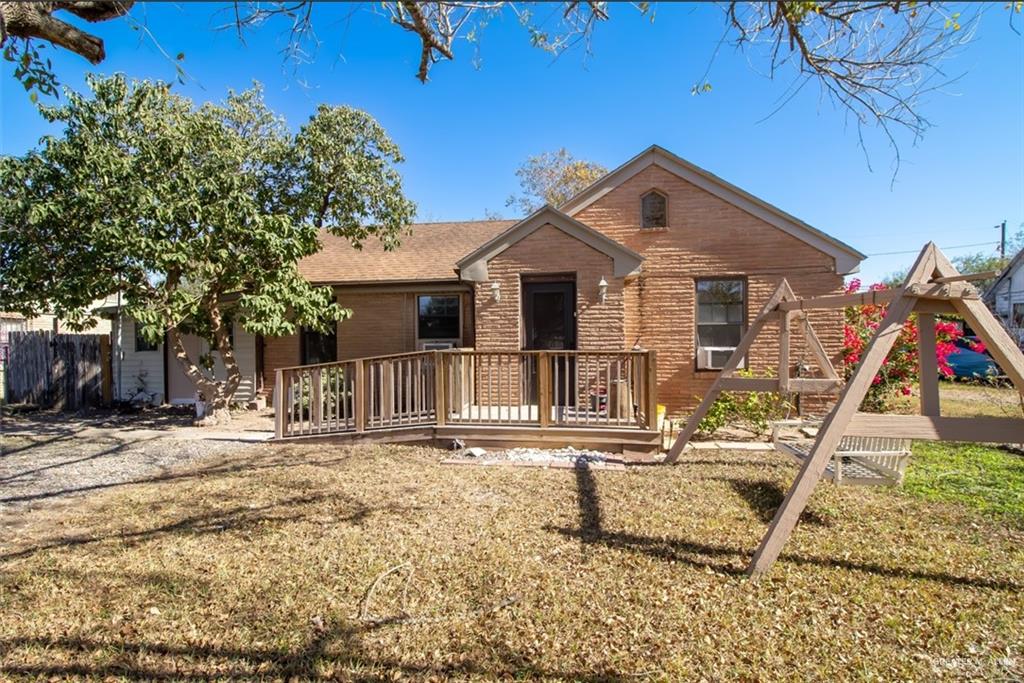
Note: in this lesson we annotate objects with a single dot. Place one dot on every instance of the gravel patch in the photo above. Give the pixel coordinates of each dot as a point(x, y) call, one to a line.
point(569, 454)
point(537, 457)
point(44, 459)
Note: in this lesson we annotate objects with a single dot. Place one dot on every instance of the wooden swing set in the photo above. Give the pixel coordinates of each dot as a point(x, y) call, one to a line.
point(932, 287)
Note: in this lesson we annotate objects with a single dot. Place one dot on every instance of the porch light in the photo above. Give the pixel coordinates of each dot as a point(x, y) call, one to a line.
point(602, 290)
point(496, 290)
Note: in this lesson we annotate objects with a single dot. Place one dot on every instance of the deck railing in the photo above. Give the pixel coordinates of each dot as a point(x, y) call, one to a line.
point(595, 389)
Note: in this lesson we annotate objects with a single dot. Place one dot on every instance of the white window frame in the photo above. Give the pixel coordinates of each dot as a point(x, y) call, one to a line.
point(696, 320)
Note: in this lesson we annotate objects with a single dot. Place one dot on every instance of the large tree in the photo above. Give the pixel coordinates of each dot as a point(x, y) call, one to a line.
point(872, 57)
point(198, 216)
point(552, 178)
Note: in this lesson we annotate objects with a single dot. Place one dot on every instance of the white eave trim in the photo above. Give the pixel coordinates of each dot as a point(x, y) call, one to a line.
point(847, 258)
point(474, 266)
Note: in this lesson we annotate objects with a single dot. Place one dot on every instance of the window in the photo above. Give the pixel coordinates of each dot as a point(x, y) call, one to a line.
point(1018, 315)
point(318, 347)
point(438, 317)
point(141, 342)
point(654, 210)
point(720, 308)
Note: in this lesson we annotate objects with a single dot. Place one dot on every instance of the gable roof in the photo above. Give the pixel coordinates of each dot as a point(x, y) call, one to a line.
point(847, 258)
point(428, 252)
point(1014, 262)
point(474, 265)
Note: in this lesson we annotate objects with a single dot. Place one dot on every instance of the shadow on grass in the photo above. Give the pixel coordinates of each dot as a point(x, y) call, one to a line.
point(765, 497)
point(53, 437)
point(242, 517)
point(305, 663)
point(116, 448)
point(723, 559)
point(192, 472)
point(724, 462)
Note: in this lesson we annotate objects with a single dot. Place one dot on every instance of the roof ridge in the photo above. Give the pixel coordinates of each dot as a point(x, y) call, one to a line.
point(480, 220)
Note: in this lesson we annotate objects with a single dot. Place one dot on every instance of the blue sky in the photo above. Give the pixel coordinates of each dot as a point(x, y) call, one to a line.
point(465, 132)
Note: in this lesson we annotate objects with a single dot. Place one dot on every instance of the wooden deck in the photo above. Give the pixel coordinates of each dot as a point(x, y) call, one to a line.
point(593, 399)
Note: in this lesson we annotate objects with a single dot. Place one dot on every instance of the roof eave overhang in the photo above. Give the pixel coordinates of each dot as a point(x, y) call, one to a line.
point(991, 290)
point(412, 282)
point(473, 267)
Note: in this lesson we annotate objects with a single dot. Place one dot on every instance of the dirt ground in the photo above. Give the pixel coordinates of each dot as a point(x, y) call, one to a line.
point(46, 457)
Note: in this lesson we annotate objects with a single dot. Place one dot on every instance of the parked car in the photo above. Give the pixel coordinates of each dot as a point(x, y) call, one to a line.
point(967, 363)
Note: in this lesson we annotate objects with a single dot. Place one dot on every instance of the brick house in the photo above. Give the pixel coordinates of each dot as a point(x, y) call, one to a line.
point(658, 254)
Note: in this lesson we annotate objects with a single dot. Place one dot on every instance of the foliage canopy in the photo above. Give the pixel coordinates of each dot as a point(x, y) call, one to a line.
point(552, 178)
point(196, 215)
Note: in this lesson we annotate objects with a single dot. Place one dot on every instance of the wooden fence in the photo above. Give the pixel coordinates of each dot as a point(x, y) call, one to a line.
point(542, 389)
point(61, 371)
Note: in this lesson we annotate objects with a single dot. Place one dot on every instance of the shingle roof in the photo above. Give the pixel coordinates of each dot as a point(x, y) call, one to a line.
point(429, 252)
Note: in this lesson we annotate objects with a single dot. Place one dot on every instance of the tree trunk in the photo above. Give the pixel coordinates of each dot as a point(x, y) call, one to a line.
point(216, 393)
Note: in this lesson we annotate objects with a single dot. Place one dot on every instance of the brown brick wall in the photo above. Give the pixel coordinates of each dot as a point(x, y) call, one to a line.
point(278, 352)
point(548, 250)
point(382, 323)
point(706, 237)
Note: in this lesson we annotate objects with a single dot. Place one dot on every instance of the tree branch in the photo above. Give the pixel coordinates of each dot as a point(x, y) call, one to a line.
point(35, 20)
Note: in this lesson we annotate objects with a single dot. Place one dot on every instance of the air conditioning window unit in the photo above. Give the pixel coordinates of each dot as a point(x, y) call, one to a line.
point(713, 357)
point(437, 345)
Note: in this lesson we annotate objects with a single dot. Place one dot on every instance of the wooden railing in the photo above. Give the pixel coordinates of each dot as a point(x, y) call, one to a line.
point(400, 390)
point(595, 389)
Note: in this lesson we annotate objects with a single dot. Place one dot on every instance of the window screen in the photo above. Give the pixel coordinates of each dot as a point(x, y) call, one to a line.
point(720, 307)
point(319, 347)
point(438, 317)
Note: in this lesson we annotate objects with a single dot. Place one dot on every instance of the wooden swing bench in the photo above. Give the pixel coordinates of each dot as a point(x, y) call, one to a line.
point(858, 460)
point(861, 448)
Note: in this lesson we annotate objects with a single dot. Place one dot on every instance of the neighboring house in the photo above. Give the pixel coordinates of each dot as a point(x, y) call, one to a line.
point(143, 367)
point(658, 254)
point(16, 322)
point(1005, 296)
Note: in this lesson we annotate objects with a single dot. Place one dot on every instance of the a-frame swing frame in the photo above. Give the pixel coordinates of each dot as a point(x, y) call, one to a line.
point(933, 286)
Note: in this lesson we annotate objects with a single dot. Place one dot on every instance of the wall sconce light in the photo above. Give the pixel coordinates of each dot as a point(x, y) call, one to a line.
point(496, 290)
point(602, 290)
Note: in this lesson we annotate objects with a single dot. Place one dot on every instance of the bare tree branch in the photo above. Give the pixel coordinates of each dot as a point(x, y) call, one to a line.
point(875, 59)
point(35, 20)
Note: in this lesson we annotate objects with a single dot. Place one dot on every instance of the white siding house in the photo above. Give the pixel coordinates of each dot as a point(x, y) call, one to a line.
point(1005, 297)
point(137, 367)
point(140, 366)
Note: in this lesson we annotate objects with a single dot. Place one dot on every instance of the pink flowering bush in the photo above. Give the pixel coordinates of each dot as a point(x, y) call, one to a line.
point(899, 371)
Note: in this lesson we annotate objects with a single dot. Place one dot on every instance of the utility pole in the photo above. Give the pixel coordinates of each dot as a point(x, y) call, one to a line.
point(1002, 240)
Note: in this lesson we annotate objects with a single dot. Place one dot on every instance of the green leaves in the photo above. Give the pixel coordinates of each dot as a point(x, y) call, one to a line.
point(31, 70)
point(700, 88)
point(552, 178)
point(190, 211)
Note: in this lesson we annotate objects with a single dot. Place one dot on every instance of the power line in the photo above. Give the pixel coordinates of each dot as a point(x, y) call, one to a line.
point(915, 251)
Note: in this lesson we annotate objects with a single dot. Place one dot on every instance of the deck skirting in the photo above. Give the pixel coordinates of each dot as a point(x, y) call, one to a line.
point(639, 441)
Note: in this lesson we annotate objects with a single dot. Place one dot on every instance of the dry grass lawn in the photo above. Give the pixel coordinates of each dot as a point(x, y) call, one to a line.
point(379, 564)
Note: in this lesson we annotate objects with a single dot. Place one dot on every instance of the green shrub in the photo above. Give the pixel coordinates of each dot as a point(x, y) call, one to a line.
point(755, 410)
point(718, 415)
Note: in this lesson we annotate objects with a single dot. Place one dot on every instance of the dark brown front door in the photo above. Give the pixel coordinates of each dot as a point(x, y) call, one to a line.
point(549, 322)
point(549, 316)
